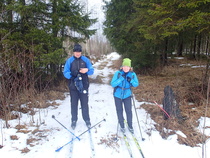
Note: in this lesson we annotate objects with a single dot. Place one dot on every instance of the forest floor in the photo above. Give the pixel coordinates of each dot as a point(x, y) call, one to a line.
point(186, 78)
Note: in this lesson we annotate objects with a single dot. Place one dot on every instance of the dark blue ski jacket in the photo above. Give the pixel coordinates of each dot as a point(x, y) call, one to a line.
point(72, 67)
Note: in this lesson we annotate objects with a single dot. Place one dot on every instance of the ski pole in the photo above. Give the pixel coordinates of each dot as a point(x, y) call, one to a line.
point(57, 150)
point(65, 127)
point(136, 115)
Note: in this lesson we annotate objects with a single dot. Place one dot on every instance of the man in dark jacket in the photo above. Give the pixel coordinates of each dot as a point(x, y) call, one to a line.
point(76, 69)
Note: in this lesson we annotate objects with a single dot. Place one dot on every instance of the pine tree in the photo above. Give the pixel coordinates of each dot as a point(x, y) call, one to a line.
point(117, 15)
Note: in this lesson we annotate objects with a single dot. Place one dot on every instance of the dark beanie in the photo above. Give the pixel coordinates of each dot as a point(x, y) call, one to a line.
point(77, 48)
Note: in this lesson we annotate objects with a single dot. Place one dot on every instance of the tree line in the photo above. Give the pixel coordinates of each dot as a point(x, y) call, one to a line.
point(148, 31)
point(32, 37)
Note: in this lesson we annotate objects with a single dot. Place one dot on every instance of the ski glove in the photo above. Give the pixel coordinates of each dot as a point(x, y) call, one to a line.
point(129, 79)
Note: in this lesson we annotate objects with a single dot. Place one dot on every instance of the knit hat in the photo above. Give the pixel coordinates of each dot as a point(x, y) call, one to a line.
point(126, 62)
point(77, 48)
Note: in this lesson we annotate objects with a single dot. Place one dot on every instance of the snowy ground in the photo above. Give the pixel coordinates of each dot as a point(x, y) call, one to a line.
point(50, 135)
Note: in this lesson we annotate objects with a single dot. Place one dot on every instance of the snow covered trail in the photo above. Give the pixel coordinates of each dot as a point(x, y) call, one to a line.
point(49, 135)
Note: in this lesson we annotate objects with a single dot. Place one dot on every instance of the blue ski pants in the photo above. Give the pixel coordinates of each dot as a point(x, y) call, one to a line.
point(127, 105)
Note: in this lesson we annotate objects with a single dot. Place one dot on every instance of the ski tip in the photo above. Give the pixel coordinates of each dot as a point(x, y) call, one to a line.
point(57, 150)
point(53, 116)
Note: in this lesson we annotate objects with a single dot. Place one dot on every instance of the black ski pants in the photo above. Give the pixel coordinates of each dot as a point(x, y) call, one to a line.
point(76, 96)
point(119, 108)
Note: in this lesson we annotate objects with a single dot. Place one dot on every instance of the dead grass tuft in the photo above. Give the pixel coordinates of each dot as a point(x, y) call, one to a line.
point(25, 150)
point(110, 141)
point(14, 137)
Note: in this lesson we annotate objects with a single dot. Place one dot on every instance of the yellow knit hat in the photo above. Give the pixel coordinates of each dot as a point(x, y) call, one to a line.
point(126, 62)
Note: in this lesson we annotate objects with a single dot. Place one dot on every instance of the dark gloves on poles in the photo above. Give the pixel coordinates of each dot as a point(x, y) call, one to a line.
point(129, 79)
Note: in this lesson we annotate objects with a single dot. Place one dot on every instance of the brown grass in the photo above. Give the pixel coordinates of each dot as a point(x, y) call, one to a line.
point(187, 83)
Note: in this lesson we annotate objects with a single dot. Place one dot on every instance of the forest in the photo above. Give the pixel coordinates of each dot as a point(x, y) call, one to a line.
point(152, 30)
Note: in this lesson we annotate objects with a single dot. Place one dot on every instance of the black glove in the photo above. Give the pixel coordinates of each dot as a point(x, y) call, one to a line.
point(129, 79)
point(123, 75)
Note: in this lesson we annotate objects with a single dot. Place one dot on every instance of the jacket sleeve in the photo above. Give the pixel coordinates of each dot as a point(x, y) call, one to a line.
point(116, 80)
point(67, 68)
point(134, 81)
point(89, 66)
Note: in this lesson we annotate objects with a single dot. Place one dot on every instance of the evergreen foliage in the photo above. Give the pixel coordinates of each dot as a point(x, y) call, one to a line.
point(149, 31)
point(117, 16)
point(40, 27)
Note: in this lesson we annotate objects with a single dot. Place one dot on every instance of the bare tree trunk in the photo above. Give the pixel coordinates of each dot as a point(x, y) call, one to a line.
point(199, 47)
point(164, 53)
point(207, 46)
point(194, 47)
point(180, 46)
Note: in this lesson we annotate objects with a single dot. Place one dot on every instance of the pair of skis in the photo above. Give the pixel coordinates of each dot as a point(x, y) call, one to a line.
point(128, 144)
point(78, 137)
point(91, 145)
